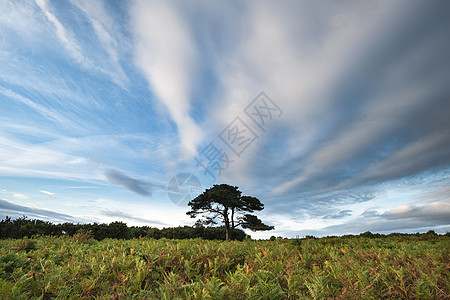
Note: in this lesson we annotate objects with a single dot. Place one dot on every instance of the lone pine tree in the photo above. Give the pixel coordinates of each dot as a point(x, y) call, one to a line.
point(225, 203)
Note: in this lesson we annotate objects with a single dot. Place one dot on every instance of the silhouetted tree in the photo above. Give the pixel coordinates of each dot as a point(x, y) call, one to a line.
point(225, 203)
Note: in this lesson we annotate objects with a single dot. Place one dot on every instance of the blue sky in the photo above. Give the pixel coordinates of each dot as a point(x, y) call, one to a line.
point(333, 113)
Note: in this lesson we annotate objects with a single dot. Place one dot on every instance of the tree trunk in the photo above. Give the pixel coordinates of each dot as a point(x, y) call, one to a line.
point(227, 233)
point(227, 223)
point(232, 223)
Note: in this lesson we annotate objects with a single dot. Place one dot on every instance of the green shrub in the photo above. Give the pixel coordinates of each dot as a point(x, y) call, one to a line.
point(10, 262)
point(82, 236)
point(26, 245)
point(297, 242)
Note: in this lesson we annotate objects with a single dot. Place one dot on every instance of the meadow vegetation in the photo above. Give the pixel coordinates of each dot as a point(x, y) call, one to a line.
point(351, 267)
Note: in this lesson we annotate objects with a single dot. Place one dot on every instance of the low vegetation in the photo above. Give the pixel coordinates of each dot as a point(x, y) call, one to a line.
point(23, 227)
point(351, 267)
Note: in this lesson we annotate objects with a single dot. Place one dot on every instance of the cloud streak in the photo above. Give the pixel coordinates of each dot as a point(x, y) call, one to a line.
point(45, 112)
point(436, 213)
point(10, 209)
point(47, 193)
point(167, 59)
point(20, 196)
point(104, 28)
point(125, 216)
point(136, 186)
point(71, 46)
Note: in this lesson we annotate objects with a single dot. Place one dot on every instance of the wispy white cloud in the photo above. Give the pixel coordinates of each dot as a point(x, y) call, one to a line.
point(20, 196)
point(91, 61)
point(440, 194)
point(56, 86)
point(69, 44)
point(21, 158)
point(120, 215)
point(108, 210)
point(105, 29)
point(47, 113)
point(17, 10)
point(167, 55)
point(85, 159)
point(47, 193)
point(101, 23)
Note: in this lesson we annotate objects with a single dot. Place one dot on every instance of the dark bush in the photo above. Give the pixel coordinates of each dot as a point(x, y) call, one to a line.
point(26, 245)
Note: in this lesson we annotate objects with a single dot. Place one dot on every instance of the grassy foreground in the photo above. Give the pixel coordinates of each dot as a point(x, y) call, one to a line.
point(344, 268)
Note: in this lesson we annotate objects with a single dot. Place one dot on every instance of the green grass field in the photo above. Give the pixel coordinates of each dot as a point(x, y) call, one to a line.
point(344, 268)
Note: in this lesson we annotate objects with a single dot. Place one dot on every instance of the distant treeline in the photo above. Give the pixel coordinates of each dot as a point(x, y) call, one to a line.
point(371, 235)
point(23, 227)
point(426, 236)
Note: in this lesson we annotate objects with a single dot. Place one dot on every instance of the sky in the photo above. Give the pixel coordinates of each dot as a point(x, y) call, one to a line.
point(335, 114)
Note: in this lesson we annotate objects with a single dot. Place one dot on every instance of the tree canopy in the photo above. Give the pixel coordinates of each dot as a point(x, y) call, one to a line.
point(225, 203)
